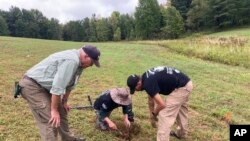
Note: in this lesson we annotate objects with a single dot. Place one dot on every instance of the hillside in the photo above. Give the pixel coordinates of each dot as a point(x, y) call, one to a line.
point(230, 47)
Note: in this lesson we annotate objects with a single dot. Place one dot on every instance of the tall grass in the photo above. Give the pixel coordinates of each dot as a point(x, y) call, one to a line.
point(230, 47)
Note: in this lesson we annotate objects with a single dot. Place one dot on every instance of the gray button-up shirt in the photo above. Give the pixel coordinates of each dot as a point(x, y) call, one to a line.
point(59, 72)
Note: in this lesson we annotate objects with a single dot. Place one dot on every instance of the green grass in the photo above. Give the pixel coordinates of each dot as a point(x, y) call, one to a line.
point(218, 89)
point(245, 31)
point(230, 47)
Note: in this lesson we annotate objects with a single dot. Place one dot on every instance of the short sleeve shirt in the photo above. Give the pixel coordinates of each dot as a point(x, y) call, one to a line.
point(163, 80)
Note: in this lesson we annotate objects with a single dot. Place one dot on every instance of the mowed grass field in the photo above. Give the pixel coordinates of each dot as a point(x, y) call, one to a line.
point(218, 89)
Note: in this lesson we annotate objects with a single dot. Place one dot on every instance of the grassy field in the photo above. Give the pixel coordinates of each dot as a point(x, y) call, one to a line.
point(230, 47)
point(218, 89)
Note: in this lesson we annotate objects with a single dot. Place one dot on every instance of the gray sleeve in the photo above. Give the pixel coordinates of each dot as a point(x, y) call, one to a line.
point(65, 72)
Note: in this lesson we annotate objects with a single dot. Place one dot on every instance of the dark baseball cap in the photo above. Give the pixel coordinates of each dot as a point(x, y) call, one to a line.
point(93, 53)
point(132, 82)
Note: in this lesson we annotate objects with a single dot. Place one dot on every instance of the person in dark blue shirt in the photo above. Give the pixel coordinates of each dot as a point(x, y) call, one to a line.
point(107, 102)
point(177, 86)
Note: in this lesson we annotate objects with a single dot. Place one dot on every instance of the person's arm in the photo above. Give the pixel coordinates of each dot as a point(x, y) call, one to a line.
point(151, 105)
point(155, 111)
point(55, 116)
point(126, 109)
point(126, 121)
point(105, 113)
point(152, 89)
point(110, 123)
point(65, 72)
point(160, 104)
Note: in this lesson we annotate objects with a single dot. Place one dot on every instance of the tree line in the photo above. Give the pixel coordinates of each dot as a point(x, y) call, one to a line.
point(150, 21)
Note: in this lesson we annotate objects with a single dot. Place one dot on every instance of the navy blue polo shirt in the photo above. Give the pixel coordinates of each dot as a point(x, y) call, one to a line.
point(163, 80)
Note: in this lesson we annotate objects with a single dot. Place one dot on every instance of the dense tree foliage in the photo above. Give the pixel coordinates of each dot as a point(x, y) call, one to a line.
point(114, 21)
point(173, 24)
point(182, 6)
point(150, 21)
point(197, 16)
point(3, 26)
point(104, 30)
point(147, 19)
point(92, 29)
point(127, 27)
point(31, 23)
point(218, 13)
point(73, 31)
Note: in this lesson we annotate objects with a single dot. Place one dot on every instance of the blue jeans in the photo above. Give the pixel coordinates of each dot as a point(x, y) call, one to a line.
point(100, 123)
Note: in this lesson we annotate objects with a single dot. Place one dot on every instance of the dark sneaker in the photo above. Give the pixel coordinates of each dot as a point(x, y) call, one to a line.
point(173, 134)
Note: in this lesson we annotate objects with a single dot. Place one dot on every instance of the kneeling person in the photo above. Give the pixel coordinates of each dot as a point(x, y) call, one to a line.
point(107, 102)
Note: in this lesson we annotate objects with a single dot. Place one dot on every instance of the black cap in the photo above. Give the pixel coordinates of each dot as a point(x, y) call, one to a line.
point(93, 53)
point(132, 82)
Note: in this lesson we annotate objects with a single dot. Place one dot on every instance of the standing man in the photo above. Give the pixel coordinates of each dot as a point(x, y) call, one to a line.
point(166, 81)
point(47, 87)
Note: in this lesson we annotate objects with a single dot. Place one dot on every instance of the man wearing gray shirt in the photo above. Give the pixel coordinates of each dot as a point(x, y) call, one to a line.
point(47, 86)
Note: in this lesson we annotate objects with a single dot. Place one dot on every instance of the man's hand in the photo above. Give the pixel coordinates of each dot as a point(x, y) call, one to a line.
point(65, 102)
point(66, 107)
point(127, 123)
point(154, 116)
point(55, 118)
point(153, 120)
point(112, 125)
